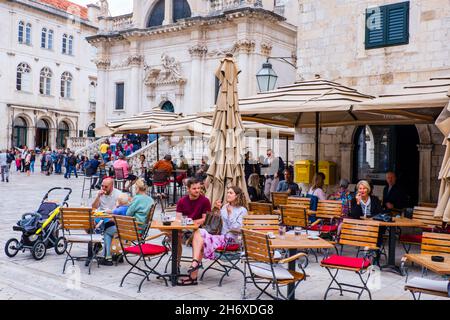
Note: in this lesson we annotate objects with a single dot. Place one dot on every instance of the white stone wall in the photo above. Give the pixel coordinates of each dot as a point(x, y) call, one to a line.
point(76, 110)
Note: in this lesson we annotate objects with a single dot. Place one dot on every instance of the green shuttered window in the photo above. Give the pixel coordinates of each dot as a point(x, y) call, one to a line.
point(387, 25)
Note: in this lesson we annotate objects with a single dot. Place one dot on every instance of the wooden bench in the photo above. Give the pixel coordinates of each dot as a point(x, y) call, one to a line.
point(262, 208)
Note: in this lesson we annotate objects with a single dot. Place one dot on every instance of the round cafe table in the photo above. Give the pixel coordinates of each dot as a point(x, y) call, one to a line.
point(175, 228)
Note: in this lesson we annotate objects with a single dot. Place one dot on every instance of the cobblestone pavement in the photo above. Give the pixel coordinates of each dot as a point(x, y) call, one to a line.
point(22, 277)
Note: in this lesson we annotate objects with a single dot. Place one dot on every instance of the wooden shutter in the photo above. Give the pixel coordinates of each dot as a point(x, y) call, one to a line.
point(397, 23)
point(375, 27)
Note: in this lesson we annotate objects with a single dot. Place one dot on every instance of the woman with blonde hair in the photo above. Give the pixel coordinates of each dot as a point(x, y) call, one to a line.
point(364, 204)
point(141, 203)
point(205, 244)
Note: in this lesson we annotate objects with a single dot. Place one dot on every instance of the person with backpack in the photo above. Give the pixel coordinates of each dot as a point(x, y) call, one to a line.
point(72, 166)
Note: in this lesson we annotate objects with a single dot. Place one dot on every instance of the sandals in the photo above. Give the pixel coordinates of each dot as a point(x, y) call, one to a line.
point(188, 282)
point(192, 269)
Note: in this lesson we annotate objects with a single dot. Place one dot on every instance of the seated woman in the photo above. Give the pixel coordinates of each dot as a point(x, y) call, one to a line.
point(205, 244)
point(364, 205)
point(254, 188)
point(141, 204)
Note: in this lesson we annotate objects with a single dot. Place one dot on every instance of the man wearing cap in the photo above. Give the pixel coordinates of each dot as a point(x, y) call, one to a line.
point(344, 195)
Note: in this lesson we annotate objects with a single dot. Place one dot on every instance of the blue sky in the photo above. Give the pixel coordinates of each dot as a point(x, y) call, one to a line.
point(117, 7)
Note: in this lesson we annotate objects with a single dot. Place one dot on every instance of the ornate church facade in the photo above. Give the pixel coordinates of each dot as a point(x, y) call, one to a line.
point(165, 53)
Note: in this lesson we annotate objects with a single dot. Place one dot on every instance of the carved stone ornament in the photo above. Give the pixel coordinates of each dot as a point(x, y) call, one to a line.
point(135, 60)
point(103, 64)
point(245, 46)
point(266, 48)
point(222, 52)
point(198, 50)
point(169, 74)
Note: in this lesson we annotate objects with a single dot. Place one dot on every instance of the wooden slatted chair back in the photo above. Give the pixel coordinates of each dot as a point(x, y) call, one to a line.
point(279, 198)
point(262, 223)
point(329, 209)
point(260, 208)
point(77, 219)
point(127, 229)
point(293, 216)
point(256, 246)
point(359, 233)
point(301, 202)
point(426, 216)
point(427, 204)
point(435, 243)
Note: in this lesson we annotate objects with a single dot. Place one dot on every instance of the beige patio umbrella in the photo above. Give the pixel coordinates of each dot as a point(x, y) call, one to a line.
point(443, 207)
point(225, 145)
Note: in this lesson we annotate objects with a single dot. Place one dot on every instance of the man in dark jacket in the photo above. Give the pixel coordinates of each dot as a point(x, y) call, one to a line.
point(393, 195)
point(72, 165)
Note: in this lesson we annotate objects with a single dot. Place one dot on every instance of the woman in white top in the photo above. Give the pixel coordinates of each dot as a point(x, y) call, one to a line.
point(205, 244)
point(316, 189)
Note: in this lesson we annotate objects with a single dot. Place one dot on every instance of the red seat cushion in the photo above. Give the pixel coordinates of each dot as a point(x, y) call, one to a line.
point(147, 249)
point(415, 238)
point(231, 247)
point(350, 262)
point(324, 228)
point(160, 184)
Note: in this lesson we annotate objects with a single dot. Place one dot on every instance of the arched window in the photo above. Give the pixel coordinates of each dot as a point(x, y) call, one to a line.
point(181, 10)
point(70, 46)
point(50, 40)
point(23, 78)
point(157, 15)
point(20, 32)
point(66, 85)
point(64, 44)
point(28, 34)
point(45, 81)
point(44, 38)
point(168, 106)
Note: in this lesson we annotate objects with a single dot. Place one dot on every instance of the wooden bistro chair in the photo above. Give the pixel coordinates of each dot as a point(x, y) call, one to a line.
point(77, 225)
point(262, 208)
point(357, 233)
point(435, 244)
point(329, 214)
point(425, 215)
point(262, 223)
point(134, 244)
point(266, 271)
point(279, 198)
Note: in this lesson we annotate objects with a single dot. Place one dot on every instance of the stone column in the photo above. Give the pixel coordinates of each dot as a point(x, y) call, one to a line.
point(425, 172)
point(197, 53)
point(102, 88)
point(346, 160)
point(133, 100)
point(168, 12)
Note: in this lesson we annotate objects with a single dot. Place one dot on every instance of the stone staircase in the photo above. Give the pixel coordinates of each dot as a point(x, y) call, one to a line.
point(91, 149)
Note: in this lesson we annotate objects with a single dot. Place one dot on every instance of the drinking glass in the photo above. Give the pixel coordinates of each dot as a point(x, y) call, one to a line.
point(297, 232)
point(184, 220)
point(282, 232)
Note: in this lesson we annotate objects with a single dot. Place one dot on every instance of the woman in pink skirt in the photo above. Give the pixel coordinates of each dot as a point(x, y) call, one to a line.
point(205, 244)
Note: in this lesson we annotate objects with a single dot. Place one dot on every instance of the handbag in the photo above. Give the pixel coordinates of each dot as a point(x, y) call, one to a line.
point(384, 217)
point(213, 223)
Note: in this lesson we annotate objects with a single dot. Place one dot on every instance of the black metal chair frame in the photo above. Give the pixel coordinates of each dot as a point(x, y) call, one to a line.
point(145, 273)
point(227, 260)
point(258, 280)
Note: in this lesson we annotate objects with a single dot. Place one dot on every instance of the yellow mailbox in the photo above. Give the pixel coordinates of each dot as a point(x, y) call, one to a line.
point(329, 169)
point(304, 171)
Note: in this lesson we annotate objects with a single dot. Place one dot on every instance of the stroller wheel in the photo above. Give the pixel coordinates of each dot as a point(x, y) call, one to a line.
point(38, 251)
point(12, 247)
point(60, 245)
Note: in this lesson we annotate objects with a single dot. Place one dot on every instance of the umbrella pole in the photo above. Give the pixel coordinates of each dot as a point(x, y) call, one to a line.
point(287, 152)
point(157, 147)
point(317, 141)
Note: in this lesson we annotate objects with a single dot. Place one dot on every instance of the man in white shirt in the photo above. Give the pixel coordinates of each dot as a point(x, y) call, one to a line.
point(4, 165)
point(106, 198)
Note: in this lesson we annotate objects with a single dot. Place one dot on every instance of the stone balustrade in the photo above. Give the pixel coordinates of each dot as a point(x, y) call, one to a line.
point(279, 10)
point(118, 23)
point(77, 143)
point(91, 149)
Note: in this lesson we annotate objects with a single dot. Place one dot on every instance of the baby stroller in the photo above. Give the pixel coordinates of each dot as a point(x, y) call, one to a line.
point(40, 229)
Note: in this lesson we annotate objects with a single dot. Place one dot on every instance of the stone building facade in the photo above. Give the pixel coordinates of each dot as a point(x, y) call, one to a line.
point(165, 53)
point(332, 43)
point(47, 74)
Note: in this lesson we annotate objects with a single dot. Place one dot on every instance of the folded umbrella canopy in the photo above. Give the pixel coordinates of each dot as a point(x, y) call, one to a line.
point(225, 145)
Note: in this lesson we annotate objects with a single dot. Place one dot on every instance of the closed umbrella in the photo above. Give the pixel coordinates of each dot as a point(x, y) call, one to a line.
point(225, 145)
point(443, 207)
